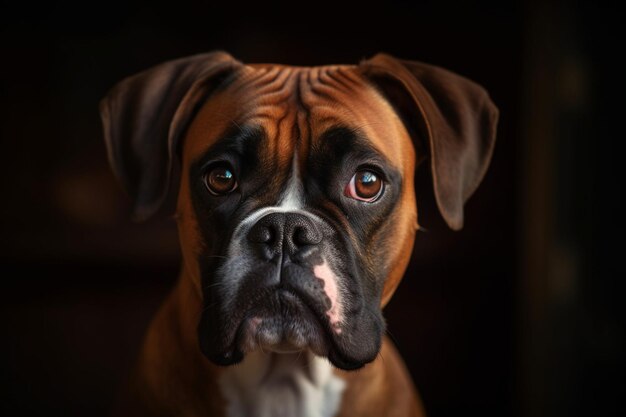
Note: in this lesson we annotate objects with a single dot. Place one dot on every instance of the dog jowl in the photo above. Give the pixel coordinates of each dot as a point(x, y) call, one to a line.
point(296, 209)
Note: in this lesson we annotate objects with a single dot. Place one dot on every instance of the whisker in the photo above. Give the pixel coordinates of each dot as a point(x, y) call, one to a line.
point(297, 358)
point(204, 309)
point(258, 342)
point(215, 284)
point(237, 125)
point(393, 339)
point(382, 358)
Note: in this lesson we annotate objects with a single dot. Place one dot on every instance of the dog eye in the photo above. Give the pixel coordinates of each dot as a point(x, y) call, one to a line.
point(220, 179)
point(365, 185)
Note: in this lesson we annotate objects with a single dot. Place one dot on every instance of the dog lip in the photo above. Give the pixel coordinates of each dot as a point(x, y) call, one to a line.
point(316, 335)
point(320, 319)
point(328, 344)
point(335, 355)
point(347, 364)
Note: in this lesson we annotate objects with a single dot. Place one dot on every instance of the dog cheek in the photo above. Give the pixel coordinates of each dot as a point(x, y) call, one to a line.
point(400, 259)
point(191, 244)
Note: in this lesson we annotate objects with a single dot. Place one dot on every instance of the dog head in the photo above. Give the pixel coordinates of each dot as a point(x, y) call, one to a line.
point(296, 208)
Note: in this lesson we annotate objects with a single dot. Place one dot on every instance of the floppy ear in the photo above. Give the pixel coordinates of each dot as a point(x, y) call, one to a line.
point(144, 117)
point(454, 116)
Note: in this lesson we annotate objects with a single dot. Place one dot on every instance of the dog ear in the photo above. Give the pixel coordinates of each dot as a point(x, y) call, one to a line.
point(144, 117)
point(454, 116)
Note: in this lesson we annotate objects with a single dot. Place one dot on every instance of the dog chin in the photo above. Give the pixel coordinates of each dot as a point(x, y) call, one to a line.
point(293, 329)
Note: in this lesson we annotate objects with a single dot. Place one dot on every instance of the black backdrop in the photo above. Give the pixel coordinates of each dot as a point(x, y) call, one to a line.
point(515, 315)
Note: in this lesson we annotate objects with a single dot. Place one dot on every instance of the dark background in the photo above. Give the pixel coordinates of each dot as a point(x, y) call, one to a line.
point(519, 314)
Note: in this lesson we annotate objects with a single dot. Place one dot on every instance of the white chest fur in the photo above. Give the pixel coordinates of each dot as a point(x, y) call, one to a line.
point(282, 385)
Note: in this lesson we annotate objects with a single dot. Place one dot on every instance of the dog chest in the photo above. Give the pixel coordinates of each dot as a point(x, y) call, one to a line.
point(277, 385)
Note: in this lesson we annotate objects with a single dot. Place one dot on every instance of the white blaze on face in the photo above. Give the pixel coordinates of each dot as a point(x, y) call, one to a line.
point(292, 196)
point(331, 289)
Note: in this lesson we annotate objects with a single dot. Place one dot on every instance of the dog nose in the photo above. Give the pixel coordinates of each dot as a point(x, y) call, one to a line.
point(289, 234)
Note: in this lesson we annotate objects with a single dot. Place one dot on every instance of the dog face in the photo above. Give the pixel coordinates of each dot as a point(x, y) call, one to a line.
point(296, 207)
point(291, 193)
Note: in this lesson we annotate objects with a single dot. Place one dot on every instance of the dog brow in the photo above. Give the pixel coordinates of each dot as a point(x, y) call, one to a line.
point(340, 141)
point(239, 138)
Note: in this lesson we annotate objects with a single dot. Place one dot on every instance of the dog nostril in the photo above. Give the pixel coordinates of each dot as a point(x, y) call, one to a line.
point(260, 234)
point(306, 236)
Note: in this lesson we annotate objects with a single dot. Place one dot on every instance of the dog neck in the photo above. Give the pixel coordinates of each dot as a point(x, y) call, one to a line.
point(277, 384)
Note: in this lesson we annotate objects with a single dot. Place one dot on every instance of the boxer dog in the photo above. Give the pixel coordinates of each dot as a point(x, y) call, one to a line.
point(296, 215)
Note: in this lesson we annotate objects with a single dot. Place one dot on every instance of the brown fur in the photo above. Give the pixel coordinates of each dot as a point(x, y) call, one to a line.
point(173, 377)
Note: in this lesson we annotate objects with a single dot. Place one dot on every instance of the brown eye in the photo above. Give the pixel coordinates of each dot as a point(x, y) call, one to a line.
point(220, 179)
point(365, 186)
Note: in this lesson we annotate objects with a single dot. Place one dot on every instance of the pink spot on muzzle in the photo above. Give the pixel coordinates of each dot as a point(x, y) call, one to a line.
point(324, 273)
